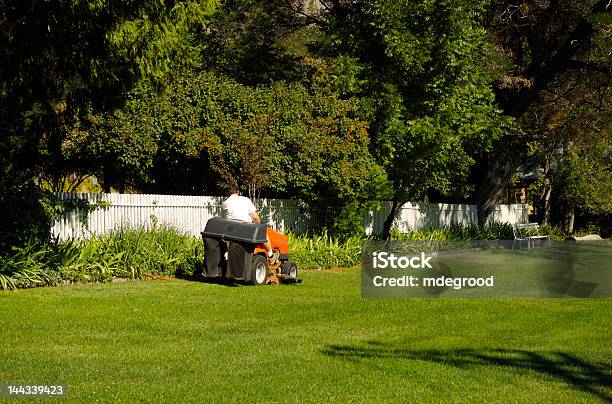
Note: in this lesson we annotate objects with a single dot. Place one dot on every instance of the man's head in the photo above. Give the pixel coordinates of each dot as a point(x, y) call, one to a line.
point(233, 189)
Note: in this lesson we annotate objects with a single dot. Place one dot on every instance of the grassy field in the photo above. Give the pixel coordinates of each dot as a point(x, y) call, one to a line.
point(190, 341)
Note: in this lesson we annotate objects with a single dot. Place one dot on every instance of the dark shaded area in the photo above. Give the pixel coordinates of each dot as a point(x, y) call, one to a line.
point(214, 280)
point(546, 42)
point(25, 214)
point(229, 282)
point(593, 378)
point(254, 41)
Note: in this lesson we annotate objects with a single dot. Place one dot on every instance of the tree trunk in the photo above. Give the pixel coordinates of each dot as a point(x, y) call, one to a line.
point(107, 183)
point(491, 190)
point(425, 195)
point(386, 234)
point(108, 178)
point(509, 190)
point(546, 202)
point(568, 217)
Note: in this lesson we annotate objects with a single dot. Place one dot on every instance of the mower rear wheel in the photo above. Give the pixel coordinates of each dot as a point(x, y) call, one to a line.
point(259, 276)
point(290, 269)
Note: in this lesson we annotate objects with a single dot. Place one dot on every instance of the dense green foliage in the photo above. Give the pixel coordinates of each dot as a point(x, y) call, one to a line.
point(324, 251)
point(26, 212)
point(61, 62)
point(128, 253)
point(558, 85)
point(278, 139)
point(337, 103)
point(139, 253)
point(491, 231)
point(421, 71)
point(583, 173)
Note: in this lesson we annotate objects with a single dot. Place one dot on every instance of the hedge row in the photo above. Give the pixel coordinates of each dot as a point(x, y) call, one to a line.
point(136, 253)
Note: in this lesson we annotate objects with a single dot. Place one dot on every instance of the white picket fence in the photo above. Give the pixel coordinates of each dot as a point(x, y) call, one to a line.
point(190, 213)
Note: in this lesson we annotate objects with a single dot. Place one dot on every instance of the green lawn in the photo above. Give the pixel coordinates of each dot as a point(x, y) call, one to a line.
point(191, 341)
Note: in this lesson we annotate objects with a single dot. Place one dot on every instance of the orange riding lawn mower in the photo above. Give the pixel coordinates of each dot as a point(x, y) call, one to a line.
point(235, 250)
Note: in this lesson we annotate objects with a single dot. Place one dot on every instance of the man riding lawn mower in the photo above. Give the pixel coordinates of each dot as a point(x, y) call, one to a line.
point(239, 246)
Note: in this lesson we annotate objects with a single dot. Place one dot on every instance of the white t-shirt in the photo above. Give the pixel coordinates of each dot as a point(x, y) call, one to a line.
point(238, 208)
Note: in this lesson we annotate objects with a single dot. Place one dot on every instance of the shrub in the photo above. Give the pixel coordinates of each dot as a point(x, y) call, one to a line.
point(324, 251)
point(26, 266)
point(348, 221)
point(161, 251)
point(25, 214)
point(126, 253)
point(491, 231)
point(135, 253)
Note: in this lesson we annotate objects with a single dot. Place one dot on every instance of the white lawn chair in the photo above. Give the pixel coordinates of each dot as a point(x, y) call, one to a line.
point(528, 232)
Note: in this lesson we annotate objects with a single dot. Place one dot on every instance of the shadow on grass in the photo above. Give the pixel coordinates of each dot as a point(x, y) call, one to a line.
point(593, 378)
point(214, 281)
point(228, 282)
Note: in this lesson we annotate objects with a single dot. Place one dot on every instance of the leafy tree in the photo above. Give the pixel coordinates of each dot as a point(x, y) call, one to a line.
point(558, 69)
point(252, 40)
point(280, 139)
point(62, 61)
point(584, 177)
point(421, 70)
point(570, 146)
